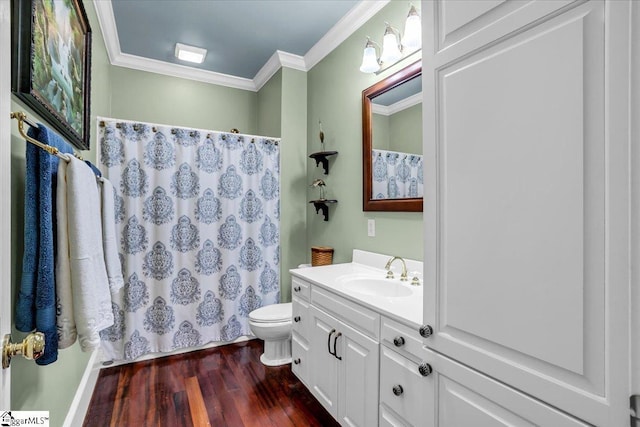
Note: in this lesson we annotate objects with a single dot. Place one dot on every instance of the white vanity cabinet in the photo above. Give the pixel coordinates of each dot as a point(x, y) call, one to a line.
point(342, 349)
point(300, 321)
point(405, 381)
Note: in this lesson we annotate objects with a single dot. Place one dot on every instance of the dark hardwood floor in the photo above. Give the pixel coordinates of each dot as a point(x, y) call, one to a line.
point(222, 386)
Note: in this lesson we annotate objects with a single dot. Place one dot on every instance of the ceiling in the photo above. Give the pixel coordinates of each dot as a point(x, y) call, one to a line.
point(247, 41)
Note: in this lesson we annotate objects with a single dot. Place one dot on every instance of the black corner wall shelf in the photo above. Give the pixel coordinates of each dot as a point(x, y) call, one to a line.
point(323, 205)
point(323, 157)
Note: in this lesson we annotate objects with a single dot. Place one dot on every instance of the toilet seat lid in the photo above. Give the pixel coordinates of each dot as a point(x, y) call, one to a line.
point(272, 313)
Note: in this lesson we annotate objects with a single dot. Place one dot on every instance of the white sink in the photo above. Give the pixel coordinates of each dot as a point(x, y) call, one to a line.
point(375, 286)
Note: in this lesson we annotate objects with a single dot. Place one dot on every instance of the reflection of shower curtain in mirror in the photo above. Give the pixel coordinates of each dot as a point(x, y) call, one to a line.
point(396, 175)
point(198, 215)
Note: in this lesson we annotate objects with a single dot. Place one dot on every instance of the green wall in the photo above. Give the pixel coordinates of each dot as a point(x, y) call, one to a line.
point(53, 387)
point(293, 173)
point(155, 98)
point(405, 130)
point(270, 107)
point(380, 129)
point(334, 92)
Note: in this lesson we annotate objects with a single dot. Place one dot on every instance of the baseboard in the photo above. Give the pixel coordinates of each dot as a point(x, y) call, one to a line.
point(80, 403)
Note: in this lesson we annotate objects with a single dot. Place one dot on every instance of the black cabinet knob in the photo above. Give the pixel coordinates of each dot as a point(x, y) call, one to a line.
point(426, 331)
point(398, 341)
point(297, 288)
point(398, 390)
point(425, 369)
point(296, 319)
point(296, 361)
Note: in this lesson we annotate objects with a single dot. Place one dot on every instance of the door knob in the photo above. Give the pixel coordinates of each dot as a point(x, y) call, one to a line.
point(426, 331)
point(398, 341)
point(32, 347)
point(398, 390)
point(425, 369)
point(296, 319)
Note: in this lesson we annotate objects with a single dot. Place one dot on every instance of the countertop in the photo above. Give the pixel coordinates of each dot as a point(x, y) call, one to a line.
point(406, 310)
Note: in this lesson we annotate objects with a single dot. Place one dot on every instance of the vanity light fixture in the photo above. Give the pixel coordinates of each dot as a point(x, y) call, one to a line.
point(412, 39)
point(370, 62)
point(190, 53)
point(394, 47)
point(391, 47)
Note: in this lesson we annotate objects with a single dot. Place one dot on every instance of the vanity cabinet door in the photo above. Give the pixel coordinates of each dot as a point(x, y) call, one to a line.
point(526, 221)
point(459, 396)
point(323, 373)
point(358, 378)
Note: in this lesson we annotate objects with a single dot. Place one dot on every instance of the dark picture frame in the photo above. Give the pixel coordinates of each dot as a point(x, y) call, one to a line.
point(51, 64)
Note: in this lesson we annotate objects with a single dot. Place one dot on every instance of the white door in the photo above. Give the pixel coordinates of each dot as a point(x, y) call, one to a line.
point(323, 367)
point(527, 196)
point(358, 378)
point(5, 189)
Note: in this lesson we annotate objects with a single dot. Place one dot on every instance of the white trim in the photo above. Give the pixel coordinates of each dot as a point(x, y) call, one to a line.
point(84, 392)
point(354, 19)
point(107, 21)
point(348, 24)
point(5, 190)
point(267, 71)
point(176, 70)
point(274, 63)
point(403, 104)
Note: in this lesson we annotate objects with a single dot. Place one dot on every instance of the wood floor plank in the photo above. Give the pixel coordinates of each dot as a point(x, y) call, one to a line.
point(221, 386)
point(197, 408)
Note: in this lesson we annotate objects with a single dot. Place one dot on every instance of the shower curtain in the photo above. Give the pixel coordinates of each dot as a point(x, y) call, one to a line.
point(396, 175)
point(198, 218)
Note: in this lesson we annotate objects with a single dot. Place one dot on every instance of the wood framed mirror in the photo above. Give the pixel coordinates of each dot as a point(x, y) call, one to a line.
point(392, 142)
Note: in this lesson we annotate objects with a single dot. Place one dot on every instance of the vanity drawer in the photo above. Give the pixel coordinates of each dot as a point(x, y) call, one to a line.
point(359, 317)
point(300, 316)
point(300, 288)
point(396, 370)
point(300, 358)
point(402, 338)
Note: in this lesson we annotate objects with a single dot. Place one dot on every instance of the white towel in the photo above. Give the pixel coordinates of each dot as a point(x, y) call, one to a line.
point(66, 324)
point(89, 280)
point(110, 239)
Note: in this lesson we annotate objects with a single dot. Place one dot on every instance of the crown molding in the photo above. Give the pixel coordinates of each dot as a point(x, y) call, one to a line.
point(176, 70)
point(274, 63)
point(403, 104)
point(354, 19)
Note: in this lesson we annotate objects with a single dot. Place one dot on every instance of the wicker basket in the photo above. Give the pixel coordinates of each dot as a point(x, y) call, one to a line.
point(321, 255)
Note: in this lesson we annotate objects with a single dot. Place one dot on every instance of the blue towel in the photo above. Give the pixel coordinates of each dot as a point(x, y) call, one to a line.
point(94, 168)
point(36, 305)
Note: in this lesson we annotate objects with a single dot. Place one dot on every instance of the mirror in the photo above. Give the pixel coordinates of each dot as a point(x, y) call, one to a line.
point(392, 142)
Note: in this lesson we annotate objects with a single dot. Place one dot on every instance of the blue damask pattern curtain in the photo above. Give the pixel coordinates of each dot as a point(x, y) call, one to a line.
point(198, 215)
point(396, 175)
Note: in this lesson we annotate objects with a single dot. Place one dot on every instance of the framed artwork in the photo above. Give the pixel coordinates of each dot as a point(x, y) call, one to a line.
point(51, 64)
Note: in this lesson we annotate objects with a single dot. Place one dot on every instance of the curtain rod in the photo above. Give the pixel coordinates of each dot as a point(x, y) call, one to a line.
point(21, 117)
point(136, 127)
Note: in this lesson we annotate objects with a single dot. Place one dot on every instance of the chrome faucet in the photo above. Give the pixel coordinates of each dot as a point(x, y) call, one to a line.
point(403, 275)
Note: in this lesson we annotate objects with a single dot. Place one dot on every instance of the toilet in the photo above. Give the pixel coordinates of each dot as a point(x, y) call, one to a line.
point(272, 324)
